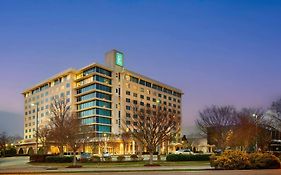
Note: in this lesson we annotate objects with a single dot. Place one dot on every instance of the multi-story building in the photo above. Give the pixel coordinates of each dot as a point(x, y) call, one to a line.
point(101, 95)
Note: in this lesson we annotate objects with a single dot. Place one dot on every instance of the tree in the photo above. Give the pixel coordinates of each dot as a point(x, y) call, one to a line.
point(43, 135)
point(153, 126)
point(245, 131)
point(73, 134)
point(4, 139)
point(276, 113)
point(217, 122)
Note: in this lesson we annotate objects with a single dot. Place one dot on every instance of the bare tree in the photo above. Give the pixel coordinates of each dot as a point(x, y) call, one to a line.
point(276, 113)
point(60, 114)
point(217, 122)
point(73, 134)
point(4, 139)
point(43, 135)
point(153, 126)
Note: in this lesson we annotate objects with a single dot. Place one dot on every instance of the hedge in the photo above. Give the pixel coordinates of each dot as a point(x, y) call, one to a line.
point(241, 160)
point(59, 159)
point(37, 158)
point(121, 158)
point(183, 157)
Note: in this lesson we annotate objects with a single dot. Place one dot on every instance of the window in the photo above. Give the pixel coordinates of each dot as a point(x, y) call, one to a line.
point(148, 105)
point(135, 116)
point(154, 100)
point(141, 89)
point(67, 85)
point(135, 102)
point(128, 93)
point(68, 93)
point(142, 103)
point(128, 100)
point(135, 95)
point(141, 96)
point(147, 98)
point(165, 97)
point(128, 115)
point(159, 95)
point(128, 108)
point(179, 101)
point(128, 122)
point(142, 82)
point(170, 98)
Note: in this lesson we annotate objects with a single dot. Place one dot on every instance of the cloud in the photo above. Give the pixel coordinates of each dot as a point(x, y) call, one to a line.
point(11, 123)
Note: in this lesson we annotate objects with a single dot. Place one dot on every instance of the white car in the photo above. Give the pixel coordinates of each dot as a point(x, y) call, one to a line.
point(184, 151)
point(106, 155)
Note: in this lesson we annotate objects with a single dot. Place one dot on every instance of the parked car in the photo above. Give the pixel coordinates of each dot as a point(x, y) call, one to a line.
point(85, 156)
point(184, 151)
point(106, 155)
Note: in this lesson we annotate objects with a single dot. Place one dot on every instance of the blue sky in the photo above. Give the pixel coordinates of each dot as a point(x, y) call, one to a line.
point(218, 52)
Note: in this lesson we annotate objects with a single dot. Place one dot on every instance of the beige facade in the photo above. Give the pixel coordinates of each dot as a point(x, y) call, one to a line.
point(102, 96)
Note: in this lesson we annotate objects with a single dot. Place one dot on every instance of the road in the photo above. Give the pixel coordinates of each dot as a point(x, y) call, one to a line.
point(13, 162)
point(18, 164)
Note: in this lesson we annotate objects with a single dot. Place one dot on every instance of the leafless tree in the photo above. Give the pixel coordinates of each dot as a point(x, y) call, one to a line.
point(276, 113)
point(153, 126)
point(43, 135)
point(4, 139)
point(73, 135)
point(60, 116)
point(217, 122)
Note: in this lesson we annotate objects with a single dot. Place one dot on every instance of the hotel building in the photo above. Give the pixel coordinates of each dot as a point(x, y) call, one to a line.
point(102, 96)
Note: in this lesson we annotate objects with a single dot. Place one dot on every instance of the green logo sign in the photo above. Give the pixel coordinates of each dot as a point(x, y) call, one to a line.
point(119, 59)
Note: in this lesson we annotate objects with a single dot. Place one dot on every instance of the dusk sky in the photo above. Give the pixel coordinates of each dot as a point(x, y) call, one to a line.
point(217, 51)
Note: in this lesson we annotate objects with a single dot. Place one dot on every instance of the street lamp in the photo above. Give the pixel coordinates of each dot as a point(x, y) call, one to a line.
point(256, 116)
point(36, 146)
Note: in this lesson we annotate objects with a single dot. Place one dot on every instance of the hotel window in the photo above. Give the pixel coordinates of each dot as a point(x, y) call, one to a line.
point(165, 97)
point(148, 105)
point(135, 116)
point(170, 104)
point(174, 100)
point(135, 95)
point(142, 103)
point(159, 95)
point(135, 102)
point(128, 115)
point(154, 100)
point(179, 112)
point(141, 96)
point(135, 123)
point(142, 82)
point(170, 98)
point(42, 95)
point(154, 106)
point(128, 93)
point(67, 92)
point(147, 98)
point(141, 89)
point(128, 122)
point(67, 85)
point(179, 101)
point(165, 103)
point(128, 107)
point(128, 100)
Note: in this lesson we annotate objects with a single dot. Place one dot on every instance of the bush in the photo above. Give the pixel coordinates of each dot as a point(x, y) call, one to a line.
point(134, 157)
point(242, 160)
point(264, 161)
point(95, 158)
point(108, 158)
point(59, 159)
point(37, 158)
point(121, 158)
point(231, 160)
point(183, 157)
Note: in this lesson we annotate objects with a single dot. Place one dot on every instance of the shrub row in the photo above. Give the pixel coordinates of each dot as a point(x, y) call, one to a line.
point(242, 160)
point(59, 159)
point(37, 158)
point(183, 157)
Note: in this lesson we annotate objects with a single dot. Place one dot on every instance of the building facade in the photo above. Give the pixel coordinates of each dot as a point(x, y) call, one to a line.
point(102, 96)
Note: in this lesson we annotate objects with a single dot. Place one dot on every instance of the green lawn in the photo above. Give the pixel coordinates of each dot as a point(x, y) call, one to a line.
point(125, 164)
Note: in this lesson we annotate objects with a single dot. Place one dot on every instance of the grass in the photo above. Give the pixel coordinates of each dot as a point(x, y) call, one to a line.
point(126, 164)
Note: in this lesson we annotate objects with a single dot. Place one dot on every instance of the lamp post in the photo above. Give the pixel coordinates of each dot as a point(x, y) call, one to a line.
point(256, 116)
point(36, 146)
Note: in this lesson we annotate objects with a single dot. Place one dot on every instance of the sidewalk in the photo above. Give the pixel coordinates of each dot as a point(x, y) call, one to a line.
point(38, 170)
